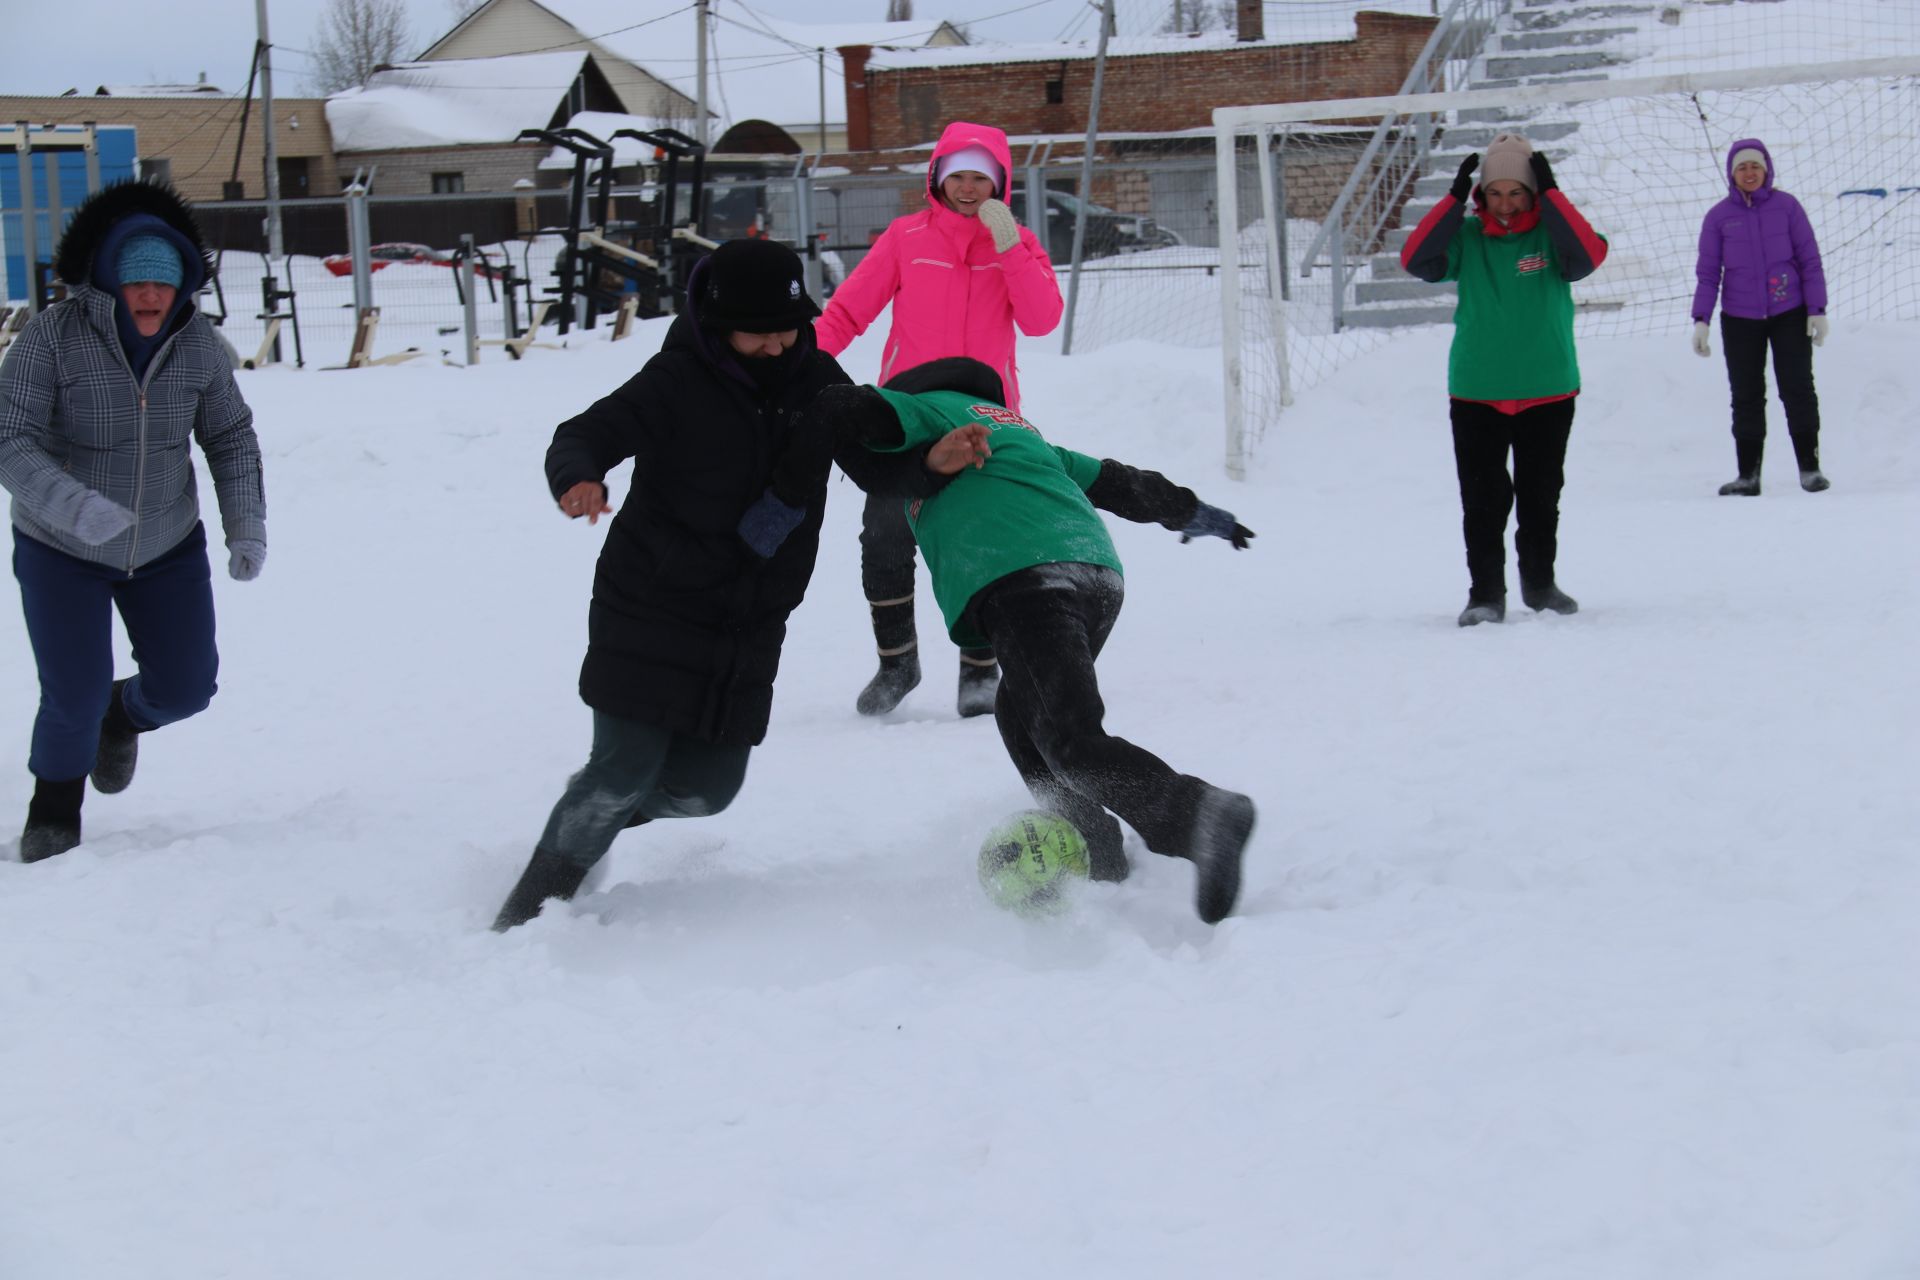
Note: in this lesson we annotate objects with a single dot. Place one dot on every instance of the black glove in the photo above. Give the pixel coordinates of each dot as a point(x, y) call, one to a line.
point(1463, 180)
point(1212, 522)
point(767, 523)
point(808, 457)
point(1542, 173)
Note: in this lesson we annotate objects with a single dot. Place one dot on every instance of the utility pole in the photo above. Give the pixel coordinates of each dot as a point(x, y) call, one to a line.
point(276, 248)
point(700, 72)
point(1086, 174)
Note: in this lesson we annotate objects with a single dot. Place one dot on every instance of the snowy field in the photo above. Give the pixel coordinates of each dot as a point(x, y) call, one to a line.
point(1574, 949)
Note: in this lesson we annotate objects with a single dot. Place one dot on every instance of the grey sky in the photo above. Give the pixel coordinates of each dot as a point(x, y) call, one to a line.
point(55, 45)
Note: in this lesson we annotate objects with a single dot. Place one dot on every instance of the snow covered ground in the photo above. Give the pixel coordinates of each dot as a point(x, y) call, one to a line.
point(1575, 948)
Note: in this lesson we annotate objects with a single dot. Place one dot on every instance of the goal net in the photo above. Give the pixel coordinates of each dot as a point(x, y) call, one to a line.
point(1642, 158)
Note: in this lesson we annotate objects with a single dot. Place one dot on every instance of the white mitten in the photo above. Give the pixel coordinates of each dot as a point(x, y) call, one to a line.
point(1817, 329)
point(1702, 346)
point(998, 219)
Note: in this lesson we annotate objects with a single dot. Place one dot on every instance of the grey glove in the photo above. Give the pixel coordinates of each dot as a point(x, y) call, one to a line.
point(100, 520)
point(767, 523)
point(246, 557)
point(997, 218)
point(1702, 339)
point(1212, 522)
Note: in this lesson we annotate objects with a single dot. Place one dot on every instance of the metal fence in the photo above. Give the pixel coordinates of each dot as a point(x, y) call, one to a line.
point(1152, 240)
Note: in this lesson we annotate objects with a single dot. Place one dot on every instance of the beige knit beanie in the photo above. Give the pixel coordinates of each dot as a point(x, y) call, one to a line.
point(1509, 159)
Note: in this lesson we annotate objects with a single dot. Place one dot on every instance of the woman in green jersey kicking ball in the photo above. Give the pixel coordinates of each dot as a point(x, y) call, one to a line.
point(1021, 561)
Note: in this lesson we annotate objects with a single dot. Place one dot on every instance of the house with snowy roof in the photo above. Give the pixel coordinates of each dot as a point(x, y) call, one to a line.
point(773, 86)
point(207, 141)
point(455, 125)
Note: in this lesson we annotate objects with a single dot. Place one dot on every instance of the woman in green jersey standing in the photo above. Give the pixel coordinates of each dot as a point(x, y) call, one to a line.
point(1512, 374)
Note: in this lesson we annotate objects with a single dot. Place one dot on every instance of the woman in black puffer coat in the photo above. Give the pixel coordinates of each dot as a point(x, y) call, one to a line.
point(711, 551)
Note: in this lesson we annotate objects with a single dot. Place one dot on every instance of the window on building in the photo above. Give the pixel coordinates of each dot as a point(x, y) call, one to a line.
point(447, 184)
point(156, 169)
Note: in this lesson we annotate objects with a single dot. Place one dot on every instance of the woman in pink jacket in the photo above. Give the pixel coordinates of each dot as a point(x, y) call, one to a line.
point(960, 274)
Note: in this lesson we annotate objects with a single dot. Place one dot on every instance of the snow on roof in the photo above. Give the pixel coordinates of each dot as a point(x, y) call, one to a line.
point(759, 68)
point(1308, 27)
point(202, 89)
point(603, 125)
point(453, 103)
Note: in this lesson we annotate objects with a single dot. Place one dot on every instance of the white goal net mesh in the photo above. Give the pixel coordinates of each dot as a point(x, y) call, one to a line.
point(1643, 166)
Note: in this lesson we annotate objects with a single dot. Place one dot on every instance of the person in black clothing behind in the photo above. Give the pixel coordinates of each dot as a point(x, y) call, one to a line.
point(712, 550)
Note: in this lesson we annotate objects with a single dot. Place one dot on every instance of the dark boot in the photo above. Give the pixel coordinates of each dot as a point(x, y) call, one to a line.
point(1538, 597)
point(1106, 858)
point(1747, 485)
point(548, 876)
point(119, 746)
point(53, 819)
point(1222, 825)
point(893, 635)
point(896, 678)
point(1479, 611)
point(1806, 452)
point(979, 681)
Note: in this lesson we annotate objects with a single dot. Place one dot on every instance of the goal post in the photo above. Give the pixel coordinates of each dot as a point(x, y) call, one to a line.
point(1642, 157)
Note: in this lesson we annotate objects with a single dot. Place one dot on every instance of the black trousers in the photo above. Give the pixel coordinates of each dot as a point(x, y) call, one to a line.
point(887, 558)
point(1746, 343)
point(887, 549)
point(639, 772)
point(1048, 624)
point(1537, 439)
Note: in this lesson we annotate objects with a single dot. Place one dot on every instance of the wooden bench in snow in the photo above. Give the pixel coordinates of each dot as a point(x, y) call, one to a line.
point(360, 355)
point(517, 347)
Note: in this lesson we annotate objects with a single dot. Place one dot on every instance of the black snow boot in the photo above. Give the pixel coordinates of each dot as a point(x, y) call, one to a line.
point(1106, 855)
point(1487, 610)
point(896, 678)
point(548, 876)
point(1538, 597)
point(893, 635)
point(1807, 453)
point(119, 746)
point(1747, 483)
point(53, 819)
point(1222, 825)
point(979, 681)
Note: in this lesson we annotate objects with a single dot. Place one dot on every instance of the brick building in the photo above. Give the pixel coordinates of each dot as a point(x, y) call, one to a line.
point(903, 97)
point(189, 138)
point(1158, 95)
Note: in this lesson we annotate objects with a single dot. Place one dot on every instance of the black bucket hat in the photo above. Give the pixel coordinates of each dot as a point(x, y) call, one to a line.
point(755, 286)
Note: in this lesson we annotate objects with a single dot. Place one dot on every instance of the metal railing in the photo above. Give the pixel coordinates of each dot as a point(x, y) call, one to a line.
point(1396, 155)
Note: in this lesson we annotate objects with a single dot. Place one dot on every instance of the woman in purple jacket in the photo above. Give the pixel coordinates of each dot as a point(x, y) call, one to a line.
point(1758, 255)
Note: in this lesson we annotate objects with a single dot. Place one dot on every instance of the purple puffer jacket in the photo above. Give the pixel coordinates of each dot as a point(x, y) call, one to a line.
point(1757, 252)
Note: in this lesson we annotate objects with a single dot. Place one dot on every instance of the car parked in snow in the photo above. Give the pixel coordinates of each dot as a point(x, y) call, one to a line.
point(1109, 231)
point(380, 256)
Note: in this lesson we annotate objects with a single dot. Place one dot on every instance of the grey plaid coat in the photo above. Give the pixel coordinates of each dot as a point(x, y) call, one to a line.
point(73, 418)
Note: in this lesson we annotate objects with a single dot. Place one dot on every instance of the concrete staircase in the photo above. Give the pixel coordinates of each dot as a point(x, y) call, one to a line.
point(1538, 42)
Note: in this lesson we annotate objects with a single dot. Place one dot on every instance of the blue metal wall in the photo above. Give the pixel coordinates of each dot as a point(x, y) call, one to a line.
point(117, 150)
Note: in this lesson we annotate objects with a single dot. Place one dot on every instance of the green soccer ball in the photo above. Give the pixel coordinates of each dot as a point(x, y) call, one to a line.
point(1029, 860)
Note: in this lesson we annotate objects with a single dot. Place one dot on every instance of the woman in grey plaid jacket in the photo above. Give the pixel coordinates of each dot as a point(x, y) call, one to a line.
point(99, 397)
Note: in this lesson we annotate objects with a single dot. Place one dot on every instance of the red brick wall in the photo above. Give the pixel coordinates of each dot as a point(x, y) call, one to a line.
point(1152, 93)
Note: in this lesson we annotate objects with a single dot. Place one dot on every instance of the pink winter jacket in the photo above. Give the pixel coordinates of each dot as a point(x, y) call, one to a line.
point(952, 295)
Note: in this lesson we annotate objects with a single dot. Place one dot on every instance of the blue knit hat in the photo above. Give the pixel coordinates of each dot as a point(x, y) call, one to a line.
point(150, 258)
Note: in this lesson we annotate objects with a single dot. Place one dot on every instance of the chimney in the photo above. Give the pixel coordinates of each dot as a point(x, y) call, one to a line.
point(853, 69)
point(1251, 21)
